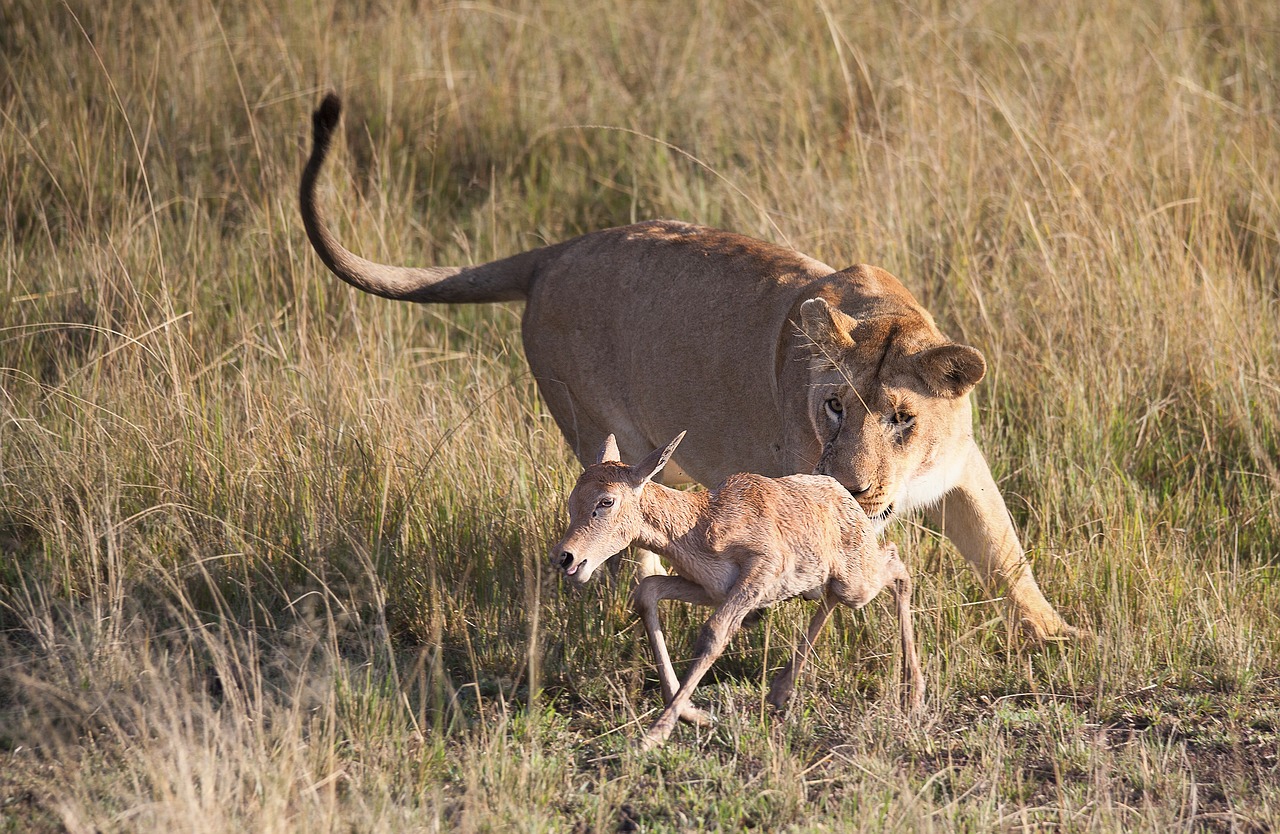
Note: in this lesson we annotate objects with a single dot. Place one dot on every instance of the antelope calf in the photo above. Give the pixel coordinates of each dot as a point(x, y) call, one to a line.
point(751, 542)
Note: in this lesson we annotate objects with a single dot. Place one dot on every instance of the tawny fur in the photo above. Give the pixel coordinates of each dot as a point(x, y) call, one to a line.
point(746, 545)
point(777, 364)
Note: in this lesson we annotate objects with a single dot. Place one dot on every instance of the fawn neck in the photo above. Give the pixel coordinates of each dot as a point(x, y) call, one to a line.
point(671, 517)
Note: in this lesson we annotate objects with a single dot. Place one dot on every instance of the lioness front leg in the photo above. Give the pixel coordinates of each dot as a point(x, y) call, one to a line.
point(974, 516)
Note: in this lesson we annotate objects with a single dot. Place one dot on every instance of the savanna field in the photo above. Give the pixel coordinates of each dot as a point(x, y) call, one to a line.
point(274, 553)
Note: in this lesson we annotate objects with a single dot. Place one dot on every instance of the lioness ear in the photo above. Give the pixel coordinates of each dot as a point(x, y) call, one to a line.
point(656, 459)
point(609, 451)
point(825, 325)
point(951, 370)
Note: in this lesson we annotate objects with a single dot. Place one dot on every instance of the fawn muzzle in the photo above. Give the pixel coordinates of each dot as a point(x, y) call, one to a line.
point(572, 565)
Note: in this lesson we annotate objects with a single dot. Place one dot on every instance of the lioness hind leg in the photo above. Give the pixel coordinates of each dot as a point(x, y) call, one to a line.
point(648, 563)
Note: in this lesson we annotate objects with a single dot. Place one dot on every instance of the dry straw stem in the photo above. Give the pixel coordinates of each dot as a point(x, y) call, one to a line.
point(273, 553)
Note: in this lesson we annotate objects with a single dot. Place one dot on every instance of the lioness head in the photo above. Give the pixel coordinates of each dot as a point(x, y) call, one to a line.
point(888, 403)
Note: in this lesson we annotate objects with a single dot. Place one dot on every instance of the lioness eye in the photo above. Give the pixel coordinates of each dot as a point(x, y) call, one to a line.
point(834, 405)
point(901, 421)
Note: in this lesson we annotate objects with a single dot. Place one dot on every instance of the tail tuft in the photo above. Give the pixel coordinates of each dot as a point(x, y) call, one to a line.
point(325, 119)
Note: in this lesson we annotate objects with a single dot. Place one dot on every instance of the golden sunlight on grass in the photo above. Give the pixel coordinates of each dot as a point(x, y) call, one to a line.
point(273, 553)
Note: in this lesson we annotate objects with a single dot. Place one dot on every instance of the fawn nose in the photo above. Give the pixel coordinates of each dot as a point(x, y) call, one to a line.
point(566, 559)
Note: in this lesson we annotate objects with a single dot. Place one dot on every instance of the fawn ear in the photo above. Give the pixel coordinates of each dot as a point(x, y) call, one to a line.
point(652, 465)
point(609, 451)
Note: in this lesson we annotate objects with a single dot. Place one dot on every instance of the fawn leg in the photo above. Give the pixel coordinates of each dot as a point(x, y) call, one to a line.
point(646, 596)
point(784, 683)
point(712, 640)
point(899, 579)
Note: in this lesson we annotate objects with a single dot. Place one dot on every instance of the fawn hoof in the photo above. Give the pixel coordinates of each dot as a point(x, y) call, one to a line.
point(657, 734)
point(779, 694)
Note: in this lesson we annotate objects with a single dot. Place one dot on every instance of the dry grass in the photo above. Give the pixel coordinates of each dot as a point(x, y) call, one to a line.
point(273, 553)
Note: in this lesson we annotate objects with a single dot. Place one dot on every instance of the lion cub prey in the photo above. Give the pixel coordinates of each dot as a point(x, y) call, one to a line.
point(749, 543)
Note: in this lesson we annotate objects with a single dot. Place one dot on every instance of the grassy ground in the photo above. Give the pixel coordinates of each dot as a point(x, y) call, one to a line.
point(272, 553)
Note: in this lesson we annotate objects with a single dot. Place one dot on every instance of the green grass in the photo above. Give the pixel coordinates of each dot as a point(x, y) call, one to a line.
point(273, 553)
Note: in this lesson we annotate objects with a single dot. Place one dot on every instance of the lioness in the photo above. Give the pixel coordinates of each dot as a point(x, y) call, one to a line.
point(774, 362)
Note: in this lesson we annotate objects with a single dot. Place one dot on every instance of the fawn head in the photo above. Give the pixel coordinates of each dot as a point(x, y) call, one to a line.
point(604, 509)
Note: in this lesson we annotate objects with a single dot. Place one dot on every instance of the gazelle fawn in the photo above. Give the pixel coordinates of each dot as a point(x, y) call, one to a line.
point(749, 543)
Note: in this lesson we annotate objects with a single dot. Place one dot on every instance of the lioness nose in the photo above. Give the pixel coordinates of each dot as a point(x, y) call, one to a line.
point(566, 559)
point(861, 490)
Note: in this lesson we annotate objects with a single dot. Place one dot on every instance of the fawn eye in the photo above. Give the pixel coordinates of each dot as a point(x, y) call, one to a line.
point(605, 502)
point(834, 407)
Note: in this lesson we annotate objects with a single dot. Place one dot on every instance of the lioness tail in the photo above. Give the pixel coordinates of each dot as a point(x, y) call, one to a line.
point(504, 280)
